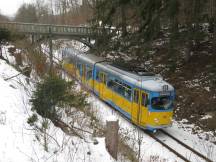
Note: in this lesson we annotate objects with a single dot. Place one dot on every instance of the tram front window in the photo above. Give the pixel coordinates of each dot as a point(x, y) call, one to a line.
point(161, 103)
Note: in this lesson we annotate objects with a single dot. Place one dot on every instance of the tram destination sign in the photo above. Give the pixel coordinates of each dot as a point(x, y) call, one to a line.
point(165, 93)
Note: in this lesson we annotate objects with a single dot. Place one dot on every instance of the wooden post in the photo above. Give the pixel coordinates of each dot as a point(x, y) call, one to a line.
point(111, 138)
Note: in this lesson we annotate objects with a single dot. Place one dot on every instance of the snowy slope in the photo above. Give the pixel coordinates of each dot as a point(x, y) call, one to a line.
point(17, 139)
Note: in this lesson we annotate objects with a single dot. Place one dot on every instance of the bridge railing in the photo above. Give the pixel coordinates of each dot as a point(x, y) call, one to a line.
point(50, 29)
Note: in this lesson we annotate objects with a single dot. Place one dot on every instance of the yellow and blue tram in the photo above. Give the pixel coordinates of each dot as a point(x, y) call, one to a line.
point(142, 97)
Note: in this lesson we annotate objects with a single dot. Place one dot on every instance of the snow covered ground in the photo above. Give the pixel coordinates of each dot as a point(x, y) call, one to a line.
point(20, 143)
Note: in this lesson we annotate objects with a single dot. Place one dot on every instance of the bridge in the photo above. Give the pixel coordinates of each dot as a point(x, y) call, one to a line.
point(47, 29)
point(51, 31)
point(80, 33)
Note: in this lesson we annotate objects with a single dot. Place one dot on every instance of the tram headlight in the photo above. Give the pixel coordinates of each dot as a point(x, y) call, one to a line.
point(156, 120)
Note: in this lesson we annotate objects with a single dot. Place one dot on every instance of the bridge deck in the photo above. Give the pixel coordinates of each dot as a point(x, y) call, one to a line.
point(46, 29)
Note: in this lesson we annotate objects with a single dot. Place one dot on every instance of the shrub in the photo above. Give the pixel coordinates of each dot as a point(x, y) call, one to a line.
point(54, 93)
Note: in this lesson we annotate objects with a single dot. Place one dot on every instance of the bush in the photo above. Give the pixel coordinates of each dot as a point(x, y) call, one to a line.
point(4, 35)
point(53, 94)
point(32, 119)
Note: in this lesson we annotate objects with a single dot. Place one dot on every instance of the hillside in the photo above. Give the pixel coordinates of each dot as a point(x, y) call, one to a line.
point(22, 142)
point(195, 82)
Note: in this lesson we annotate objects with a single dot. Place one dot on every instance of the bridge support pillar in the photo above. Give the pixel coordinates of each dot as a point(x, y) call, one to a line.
point(89, 40)
point(50, 55)
point(32, 37)
point(51, 50)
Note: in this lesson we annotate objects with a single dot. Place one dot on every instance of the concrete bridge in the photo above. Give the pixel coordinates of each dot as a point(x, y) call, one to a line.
point(80, 33)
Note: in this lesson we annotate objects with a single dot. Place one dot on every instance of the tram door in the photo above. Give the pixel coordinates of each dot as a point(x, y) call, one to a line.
point(139, 107)
point(143, 108)
point(102, 78)
point(135, 106)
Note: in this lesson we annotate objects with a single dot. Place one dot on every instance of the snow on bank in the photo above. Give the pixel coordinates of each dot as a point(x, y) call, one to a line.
point(18, 141)
point(15, 138)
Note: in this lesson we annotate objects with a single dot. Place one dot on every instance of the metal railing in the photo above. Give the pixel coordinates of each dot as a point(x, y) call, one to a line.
point(46, 29)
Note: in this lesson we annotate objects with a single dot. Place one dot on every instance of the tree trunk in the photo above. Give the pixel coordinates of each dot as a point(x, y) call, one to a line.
point(214, 25)
point(0, 51)
point(123, 20)
point(188, 51)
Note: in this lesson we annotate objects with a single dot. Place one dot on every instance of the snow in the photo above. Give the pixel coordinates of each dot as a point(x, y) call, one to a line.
point(21, 143)
point(206, 117)
point(207, 89)
point(15, 139)
point(111, 118)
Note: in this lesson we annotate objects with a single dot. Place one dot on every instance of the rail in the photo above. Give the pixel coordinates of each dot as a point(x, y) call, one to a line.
point(179, 142)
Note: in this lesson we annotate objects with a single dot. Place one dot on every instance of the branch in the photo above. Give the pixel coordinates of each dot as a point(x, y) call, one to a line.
point(16, 75)
point(12, 76)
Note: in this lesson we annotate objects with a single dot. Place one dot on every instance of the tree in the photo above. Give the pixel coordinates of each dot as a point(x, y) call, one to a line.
point(52, 97)
point(4, 37)
point(139, 23)
point(3, 18)
point(53, 94)
point(43, 12)
point(27, 13)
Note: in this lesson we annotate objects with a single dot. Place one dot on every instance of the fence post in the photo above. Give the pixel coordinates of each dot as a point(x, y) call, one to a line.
point(111, 138)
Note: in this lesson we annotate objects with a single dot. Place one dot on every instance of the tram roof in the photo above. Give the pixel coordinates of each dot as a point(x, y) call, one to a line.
point(90, 58)
point(129, 74)
point(148, 82)
point(138, 77)
point(137, 74)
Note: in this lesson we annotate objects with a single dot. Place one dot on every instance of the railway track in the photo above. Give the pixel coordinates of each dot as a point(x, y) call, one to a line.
point(181, 156)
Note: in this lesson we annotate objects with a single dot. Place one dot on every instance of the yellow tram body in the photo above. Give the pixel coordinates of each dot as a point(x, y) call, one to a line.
point(138, 107)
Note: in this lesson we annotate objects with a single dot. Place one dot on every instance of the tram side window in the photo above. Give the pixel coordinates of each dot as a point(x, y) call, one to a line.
point(111, 84)
point(120, 88)
point(79, 67)
point(105, 79)
point(127, 93)
point(136, 96)
point(100, 77)
point(70, 60)
point(89, 73)
point(97, 76)
point(144, 99)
